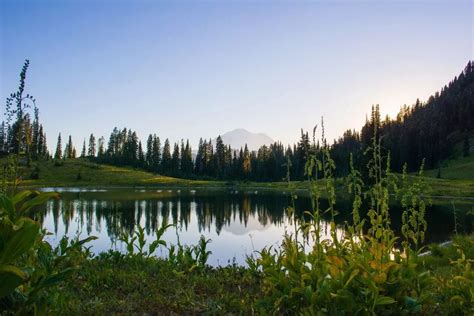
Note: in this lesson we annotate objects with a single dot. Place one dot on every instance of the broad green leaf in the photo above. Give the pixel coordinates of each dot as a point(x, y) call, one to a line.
point(38, 200)
point(21, 241)
point(11, 277)
point(7, 206)
point(20, 196)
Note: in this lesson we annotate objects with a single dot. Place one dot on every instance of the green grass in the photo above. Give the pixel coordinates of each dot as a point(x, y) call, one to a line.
point(456, 169)
point(112, 283)
point(115, 284)
point(65, 174)
point(451, 188)
point(94, 175)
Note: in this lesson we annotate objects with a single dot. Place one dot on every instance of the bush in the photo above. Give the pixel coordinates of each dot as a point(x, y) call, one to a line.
point(365, 269)
point(58, 162)
point(29, 266)
point(35, 173)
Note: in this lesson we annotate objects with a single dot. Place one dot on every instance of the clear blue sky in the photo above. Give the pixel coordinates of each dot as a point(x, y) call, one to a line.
point(186, 69)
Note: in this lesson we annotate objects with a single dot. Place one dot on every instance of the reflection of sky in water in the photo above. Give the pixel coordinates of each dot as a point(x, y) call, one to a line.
point(236, 227)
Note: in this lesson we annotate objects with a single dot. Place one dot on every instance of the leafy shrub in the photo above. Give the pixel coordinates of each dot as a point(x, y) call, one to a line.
point(362, 270)
point(58, 163)
point(35, 173)
point(29, 266)
point(189, 258)
point(136, 242)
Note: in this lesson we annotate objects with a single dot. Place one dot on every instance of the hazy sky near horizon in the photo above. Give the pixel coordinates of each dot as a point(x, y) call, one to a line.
point(190, 69)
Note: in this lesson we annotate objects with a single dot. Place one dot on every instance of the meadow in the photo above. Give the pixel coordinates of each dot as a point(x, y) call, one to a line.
point(457, 179)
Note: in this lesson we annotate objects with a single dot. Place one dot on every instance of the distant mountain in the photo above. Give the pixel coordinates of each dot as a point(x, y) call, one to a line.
point(239, 137)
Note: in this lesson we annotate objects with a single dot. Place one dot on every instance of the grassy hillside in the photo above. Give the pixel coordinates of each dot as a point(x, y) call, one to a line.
point(459, 169)
point(82, 173)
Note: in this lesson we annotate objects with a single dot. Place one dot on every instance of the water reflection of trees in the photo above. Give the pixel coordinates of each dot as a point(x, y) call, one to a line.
point(210, 212)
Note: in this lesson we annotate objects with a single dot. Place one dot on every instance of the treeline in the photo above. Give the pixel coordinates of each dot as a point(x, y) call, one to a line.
point(210, 161)
point(20, 133)
point(427, 130)
point(423, 131)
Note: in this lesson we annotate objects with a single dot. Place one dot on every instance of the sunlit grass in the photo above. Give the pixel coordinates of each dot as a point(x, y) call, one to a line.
point(65, 174)
point(459, 169)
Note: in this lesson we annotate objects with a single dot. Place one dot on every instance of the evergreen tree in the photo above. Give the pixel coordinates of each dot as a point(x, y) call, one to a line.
point(246, 162)
point(36, 135)
point(187, 165)
point(141, 155)
point(156, 153)
point(189, 158)
point(101, 149)
point(149, 149)
point(208, 158)
point(91, 151)
point(83, 151)
point(182, 157)
point(58, 152)
point(219, 157)
point(466, 146)
point(199, 162)
point(166, 159)
point(175, 160)
point(112, 144)
point(42, 144)
point(68, 152)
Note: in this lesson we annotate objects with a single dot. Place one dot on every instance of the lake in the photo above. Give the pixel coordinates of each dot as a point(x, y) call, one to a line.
point(238, 223)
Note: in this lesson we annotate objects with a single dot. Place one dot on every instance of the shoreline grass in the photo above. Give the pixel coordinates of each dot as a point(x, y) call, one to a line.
point(115, 283)
point(84, 174)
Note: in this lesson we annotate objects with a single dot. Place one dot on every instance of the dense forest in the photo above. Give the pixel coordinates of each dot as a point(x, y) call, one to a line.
point(427, 131)
point(422, 131)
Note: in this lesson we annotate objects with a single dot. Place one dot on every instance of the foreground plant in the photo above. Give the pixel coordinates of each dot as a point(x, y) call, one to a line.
point(361, 270)
point(29, 266)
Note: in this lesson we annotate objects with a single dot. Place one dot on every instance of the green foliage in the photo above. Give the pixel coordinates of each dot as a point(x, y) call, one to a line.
point(189, 258)
point(137, 241)
point(361, 270)
point(29, 267)
point(356, 269)
point(112, 283)
point(453, 274)
point(414, 204)
point(35, 173)
point(461, 168)
point(466, 148)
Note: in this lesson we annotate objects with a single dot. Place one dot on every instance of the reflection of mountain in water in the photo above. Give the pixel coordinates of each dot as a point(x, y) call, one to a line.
point(252, 225)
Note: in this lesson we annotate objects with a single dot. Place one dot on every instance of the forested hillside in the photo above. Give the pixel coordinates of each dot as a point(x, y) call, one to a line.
point(428, 130)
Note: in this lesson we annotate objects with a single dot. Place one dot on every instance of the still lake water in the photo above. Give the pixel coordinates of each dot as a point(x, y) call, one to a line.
point(238, 223)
